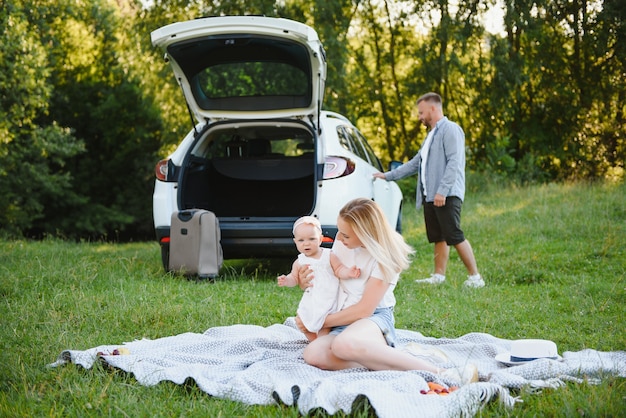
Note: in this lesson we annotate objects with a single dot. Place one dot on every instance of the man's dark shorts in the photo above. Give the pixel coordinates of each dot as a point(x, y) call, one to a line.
point(444, 223)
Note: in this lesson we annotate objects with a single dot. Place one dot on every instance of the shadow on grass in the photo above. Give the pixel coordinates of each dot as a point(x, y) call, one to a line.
point(244, 269)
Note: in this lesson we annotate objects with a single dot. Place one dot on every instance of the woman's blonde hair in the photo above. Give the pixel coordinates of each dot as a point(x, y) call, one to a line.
point(371, 227)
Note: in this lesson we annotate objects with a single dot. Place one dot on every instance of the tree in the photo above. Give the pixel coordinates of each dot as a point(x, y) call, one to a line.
point(553, 86)
point(33, 154)
point(82, 134)
point(88, 105)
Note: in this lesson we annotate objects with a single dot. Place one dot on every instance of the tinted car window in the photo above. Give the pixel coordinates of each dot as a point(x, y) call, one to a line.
point(242, 79)
point(353, 142)
point(344, 139)
point(358, 147)
point(373, 159)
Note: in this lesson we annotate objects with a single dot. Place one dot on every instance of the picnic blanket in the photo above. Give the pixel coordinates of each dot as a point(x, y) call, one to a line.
point(264, 365)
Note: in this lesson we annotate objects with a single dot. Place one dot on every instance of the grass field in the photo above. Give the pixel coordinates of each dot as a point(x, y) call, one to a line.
point(553, 256)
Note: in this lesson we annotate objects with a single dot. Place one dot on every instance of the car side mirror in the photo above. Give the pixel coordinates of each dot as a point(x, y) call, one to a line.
point(394, 164)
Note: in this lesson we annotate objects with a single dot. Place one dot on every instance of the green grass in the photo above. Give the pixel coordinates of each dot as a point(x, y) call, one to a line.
point(553, 256)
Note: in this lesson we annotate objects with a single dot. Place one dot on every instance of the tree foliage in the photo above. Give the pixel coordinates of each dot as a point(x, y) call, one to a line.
point(33, 154)
point(88, 105)
point(81, 186)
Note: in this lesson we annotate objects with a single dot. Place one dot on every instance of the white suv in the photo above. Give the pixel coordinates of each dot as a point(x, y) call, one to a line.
point(262, 152)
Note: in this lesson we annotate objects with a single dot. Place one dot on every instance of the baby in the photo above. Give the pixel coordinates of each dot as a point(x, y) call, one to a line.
point(326, 295)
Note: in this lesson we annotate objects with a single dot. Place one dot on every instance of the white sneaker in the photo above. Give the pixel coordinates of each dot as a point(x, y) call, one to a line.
point(475, 281)
point(433, 279)
point(461, 375)
point(428, 353)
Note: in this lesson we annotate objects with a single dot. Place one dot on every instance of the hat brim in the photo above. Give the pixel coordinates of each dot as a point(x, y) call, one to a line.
point(505, 358)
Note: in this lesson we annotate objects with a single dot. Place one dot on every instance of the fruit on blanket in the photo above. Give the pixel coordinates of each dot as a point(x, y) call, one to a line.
point(121, 351)
point(438, 389)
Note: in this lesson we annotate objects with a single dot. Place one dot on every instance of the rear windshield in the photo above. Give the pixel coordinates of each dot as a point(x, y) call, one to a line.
point(246, 73)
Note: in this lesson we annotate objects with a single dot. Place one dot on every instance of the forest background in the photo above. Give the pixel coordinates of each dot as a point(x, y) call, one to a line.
point(88, 106)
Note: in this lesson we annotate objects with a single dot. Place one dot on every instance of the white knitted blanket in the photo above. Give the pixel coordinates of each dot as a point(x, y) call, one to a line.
point(264, 365)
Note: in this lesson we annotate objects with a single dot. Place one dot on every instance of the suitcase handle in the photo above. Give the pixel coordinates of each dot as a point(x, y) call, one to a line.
point(186, 215)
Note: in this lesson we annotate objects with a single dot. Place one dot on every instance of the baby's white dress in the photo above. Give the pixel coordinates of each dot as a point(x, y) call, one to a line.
point(324, 297)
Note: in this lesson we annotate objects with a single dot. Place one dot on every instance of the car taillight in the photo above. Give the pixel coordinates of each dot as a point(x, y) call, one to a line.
point(161, 170)
point(327, 240)
point(335, 167)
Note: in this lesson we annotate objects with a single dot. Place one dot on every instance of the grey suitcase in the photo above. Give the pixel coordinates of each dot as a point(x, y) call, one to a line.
point(195, 247)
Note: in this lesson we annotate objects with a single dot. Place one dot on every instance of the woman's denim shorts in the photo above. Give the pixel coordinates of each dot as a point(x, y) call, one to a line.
point(383, 317)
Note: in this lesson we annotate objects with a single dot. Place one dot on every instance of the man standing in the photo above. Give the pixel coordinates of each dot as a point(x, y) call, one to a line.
point(440, 165)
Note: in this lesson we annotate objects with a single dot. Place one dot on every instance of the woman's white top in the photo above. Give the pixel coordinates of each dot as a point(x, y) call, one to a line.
point(361, 258)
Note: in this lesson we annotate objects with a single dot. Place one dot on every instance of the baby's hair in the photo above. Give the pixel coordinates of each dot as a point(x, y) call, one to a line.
point(307, 220)
point(373, 230)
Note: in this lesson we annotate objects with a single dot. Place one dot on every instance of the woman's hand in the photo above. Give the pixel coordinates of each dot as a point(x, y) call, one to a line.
point(372, 295)
point(305, 275)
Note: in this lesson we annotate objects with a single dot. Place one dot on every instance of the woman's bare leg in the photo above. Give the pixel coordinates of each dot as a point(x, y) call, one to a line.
point(361, 345)
point(319, 354)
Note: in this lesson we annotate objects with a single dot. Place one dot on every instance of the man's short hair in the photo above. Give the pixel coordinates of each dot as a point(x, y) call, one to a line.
point(430, 97)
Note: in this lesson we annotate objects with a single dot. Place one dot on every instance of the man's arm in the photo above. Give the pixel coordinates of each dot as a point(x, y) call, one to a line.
point(407, 169)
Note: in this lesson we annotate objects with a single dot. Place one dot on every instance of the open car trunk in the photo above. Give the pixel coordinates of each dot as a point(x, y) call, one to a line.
point(251, 171)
